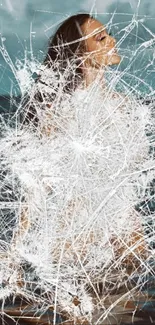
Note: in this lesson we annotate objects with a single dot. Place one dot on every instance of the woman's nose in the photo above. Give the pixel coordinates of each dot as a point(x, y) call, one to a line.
point(111, 41)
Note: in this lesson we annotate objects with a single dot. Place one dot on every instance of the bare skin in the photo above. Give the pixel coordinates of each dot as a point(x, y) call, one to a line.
point(101, 50)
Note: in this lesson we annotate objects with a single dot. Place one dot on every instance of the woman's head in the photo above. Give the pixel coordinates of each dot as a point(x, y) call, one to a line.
point(80, 39)
point(81, 42)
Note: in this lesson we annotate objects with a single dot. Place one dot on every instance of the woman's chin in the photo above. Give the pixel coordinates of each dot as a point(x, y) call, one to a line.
point(115, 59)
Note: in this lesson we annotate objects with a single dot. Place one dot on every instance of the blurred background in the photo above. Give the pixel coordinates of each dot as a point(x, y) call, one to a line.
point(25, 27)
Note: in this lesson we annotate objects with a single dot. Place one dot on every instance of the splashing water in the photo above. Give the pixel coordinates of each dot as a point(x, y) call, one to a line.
point(75, 234)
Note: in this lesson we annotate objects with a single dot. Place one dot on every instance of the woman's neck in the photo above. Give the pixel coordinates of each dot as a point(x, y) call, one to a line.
point(92, 74)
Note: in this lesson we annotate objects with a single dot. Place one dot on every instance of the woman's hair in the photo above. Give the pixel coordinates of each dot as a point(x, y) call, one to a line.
point(67, 47)
point(66, 43)
point(65, 51)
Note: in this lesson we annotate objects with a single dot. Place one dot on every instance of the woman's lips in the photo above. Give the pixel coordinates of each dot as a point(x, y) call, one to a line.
point(113, 51)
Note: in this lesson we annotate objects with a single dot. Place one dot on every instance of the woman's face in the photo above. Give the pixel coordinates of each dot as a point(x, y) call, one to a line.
point(100, 46)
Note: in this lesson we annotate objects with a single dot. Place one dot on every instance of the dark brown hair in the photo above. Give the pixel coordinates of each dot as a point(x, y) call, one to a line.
point(65, 49)
point(67, 46)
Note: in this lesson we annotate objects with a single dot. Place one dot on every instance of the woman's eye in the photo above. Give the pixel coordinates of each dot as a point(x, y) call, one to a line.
point(102, 38)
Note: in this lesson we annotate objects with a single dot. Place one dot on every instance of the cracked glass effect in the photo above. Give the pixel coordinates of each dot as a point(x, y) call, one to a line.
point(77, 189)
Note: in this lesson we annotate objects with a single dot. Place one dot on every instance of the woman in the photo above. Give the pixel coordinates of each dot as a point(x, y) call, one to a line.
point(78, 55)
point(79, 51)
point(77, 191)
